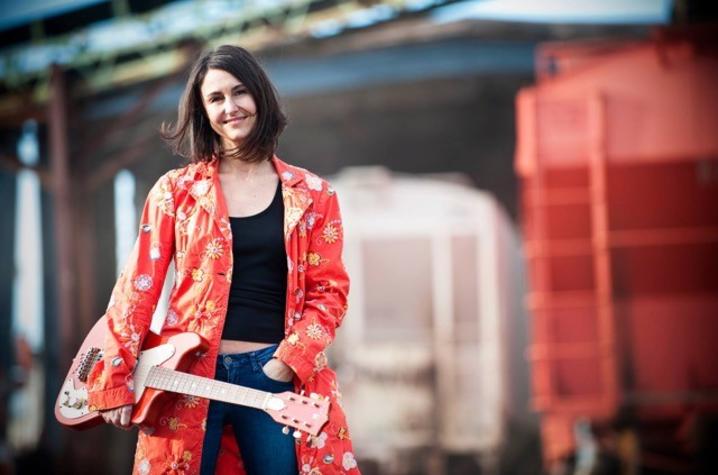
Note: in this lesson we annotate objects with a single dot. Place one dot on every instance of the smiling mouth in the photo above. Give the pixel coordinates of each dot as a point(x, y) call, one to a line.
point(235, 119)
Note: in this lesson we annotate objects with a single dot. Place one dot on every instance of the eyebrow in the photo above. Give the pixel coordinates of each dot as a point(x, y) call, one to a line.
point(214, 93)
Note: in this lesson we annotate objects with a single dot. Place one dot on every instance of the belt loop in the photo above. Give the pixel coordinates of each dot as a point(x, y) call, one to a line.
point(254, 356)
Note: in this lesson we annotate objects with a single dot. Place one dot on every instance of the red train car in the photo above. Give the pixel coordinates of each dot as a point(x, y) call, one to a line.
point(618, 159)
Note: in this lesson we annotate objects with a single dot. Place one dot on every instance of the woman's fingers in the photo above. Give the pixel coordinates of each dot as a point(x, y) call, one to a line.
point(125, 413)
point(119, 416)
point(115, 416)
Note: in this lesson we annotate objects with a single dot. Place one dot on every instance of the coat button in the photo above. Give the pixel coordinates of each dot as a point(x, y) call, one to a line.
point(328, 458)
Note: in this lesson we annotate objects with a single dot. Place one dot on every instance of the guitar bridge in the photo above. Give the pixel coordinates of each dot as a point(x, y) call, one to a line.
point(87, 362)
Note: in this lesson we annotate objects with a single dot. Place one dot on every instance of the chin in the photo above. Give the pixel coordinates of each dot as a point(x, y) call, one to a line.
point(236, 139)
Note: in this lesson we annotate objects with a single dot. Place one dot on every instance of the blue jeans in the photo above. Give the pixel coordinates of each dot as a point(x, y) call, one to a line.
point(264, 448)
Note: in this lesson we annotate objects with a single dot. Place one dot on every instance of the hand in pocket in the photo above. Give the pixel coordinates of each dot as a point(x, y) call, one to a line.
point(278, 371)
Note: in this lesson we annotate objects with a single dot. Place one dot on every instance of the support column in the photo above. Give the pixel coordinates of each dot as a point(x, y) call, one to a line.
point(62, 223)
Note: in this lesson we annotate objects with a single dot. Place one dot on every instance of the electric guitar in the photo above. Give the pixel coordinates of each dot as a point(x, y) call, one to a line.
point(159, 371)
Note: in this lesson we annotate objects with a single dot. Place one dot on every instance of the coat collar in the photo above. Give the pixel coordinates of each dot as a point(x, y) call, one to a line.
point(206, 189)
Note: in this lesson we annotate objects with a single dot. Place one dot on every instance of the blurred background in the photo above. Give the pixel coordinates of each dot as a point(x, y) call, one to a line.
point(530, 196)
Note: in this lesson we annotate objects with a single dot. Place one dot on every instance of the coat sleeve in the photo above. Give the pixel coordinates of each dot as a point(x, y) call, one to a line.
point(326, 291)
point(134, 297)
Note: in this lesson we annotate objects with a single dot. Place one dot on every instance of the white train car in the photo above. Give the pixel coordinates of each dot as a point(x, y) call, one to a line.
point(423, 354)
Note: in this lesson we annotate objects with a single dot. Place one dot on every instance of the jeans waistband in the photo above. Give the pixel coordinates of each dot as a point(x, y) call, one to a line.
point(255, 357)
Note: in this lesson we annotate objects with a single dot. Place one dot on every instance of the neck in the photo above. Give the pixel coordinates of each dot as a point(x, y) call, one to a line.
point(184, 383)
point(235, 166)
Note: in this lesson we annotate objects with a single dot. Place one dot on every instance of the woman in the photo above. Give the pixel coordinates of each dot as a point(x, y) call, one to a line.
point(257, 250)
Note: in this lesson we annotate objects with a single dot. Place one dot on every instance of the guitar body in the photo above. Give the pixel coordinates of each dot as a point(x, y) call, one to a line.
point(175, 352)
point(71, 407)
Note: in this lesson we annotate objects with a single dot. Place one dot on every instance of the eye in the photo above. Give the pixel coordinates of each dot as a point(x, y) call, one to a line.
point(238, 92)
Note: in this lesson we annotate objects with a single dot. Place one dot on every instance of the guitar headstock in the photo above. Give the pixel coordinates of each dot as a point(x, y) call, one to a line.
point(307, 414)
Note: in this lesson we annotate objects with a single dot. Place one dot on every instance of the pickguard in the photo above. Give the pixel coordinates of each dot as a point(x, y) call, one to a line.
point(73, 401)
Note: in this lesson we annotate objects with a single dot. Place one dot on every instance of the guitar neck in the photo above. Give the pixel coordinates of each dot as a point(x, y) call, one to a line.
point(183, 383)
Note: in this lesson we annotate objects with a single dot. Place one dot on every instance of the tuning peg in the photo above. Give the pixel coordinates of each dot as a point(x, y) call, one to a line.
point(297, 434)
point(285, 430)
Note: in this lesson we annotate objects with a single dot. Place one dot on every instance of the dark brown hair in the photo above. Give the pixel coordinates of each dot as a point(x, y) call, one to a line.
point(192, 136)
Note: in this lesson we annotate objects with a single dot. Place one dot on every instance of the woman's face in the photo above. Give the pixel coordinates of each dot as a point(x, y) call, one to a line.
point(230, 108)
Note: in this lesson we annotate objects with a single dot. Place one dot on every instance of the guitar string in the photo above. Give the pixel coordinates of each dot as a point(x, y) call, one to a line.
point(196, 386)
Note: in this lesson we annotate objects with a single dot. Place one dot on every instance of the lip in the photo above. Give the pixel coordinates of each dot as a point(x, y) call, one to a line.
point(235, 120)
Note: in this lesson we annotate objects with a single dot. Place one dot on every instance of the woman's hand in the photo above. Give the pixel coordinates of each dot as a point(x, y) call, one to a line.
point(278, 371)
point(119, 416)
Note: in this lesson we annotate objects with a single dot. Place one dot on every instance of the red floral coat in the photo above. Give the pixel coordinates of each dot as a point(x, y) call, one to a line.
point(185, 218)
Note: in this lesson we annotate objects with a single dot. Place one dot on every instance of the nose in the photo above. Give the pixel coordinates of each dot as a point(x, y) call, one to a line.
point(230, 106)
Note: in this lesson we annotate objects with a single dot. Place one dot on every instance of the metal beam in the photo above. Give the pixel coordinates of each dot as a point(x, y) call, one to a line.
point(61, 179)
point(112, 165)
point(99, 139)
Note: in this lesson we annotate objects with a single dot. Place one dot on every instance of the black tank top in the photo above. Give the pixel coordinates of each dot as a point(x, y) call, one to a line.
point(257, 295)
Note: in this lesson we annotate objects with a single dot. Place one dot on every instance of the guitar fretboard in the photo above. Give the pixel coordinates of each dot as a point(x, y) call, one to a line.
point(183, 383)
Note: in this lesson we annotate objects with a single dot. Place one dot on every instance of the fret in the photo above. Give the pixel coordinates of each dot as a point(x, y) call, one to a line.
point(193, 387)
point(164, 380)
point(248, 396)
point(224, 393)
point(227, 392)
point(255, 399)
point(184, 384)
point(155, 378)
point(168, 379)
point(158, 378)
point(148, 380)
point(252, 398)
point(175, 382)
point(237, 394)
point(245, 396)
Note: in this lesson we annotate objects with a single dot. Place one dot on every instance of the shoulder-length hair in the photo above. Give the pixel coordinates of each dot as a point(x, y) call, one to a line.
point(192, 136)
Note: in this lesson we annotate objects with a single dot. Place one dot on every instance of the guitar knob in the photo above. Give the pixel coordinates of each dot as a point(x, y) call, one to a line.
point(297, 434)
point(285, 430)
